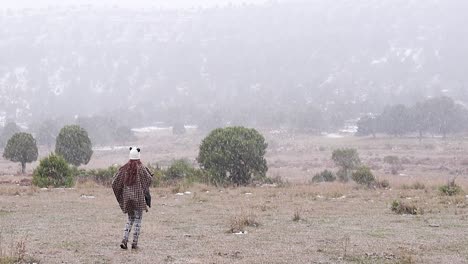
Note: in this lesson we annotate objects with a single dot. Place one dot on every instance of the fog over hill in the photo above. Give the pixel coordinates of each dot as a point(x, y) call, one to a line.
point(357, 56)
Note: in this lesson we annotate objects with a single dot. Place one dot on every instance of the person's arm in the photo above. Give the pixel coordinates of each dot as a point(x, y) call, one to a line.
point(147, 179)
point(117, 187)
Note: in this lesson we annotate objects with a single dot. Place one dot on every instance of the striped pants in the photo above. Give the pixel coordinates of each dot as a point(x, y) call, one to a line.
point(134, 219)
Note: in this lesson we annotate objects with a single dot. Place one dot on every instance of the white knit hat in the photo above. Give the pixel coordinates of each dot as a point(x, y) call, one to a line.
point(134, 153)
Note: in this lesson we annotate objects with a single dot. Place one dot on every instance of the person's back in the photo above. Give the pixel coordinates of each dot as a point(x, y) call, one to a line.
point(130, 185)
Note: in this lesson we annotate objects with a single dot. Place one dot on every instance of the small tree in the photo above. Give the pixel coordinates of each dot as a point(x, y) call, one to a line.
point(234, 154)
point(21, 147)
point(53, 171)
point(396, 120)
point(8, 131)
point(367, 125)
point(347, 159)
point(74, 145)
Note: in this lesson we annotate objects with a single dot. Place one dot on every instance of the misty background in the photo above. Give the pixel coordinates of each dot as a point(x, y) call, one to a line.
point(256, 63)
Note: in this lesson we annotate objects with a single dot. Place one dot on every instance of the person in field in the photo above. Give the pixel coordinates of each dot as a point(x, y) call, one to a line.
point(131, 188)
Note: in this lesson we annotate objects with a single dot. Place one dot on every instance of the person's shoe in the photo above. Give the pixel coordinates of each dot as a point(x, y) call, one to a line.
point(123, 245)
point(134, 246)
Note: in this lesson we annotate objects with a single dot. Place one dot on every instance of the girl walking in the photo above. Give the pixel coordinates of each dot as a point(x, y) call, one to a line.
point(131, 185)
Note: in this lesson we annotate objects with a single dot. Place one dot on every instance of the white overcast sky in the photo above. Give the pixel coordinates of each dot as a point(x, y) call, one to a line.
point(124, 3)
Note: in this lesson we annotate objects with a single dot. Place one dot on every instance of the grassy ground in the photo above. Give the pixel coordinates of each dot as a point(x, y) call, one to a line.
point(295, 223)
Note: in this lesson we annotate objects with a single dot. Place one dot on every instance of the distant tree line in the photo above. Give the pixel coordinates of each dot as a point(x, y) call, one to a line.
point(435, 116)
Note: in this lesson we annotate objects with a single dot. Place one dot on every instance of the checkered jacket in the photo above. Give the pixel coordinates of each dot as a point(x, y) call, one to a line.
point(132, 198)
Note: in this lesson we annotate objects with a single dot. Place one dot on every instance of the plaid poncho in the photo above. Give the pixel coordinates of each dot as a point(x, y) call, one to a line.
point(132, 198)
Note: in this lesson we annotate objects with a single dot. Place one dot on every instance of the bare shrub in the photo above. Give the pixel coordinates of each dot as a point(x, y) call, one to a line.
point(450, 189)
point(277, 180)
point(383, 184)
point(14, 251)
point(400, 207)
point(239, 222)
point(414, 186)
point(324, 176)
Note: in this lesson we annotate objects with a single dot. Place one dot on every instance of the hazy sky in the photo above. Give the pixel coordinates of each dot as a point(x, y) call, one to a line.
point(123, 3)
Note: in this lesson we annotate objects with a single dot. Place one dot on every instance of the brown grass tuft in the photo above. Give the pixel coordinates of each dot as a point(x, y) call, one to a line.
point(297, 216)
point(401, 207)
point(239, 222)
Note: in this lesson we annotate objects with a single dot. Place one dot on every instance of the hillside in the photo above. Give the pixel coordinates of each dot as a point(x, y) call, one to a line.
point(361, 54)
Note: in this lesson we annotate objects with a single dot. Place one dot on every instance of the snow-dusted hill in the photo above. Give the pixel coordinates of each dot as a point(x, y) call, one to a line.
point(84, 60)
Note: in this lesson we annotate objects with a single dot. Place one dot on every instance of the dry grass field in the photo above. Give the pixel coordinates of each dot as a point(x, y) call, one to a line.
point(294, 222)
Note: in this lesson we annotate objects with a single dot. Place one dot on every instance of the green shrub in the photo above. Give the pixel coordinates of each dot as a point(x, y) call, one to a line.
point(450, 189)
point(21, 147)
point(363, 176)
point(74, 145)
point(234, 155)
point(53, 171)
point(158, 175)
point(198, 175)
point(179, 169)
point(324, 176)
point(400, 207)
point(103, 176)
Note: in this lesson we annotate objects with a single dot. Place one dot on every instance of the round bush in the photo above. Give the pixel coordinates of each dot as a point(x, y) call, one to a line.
point(234, 154)
point(53, 171)
point(74, 145)
point(21, 147)
point(363, 176)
